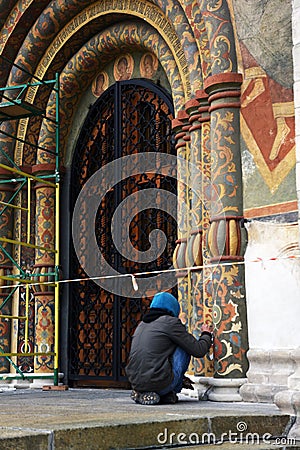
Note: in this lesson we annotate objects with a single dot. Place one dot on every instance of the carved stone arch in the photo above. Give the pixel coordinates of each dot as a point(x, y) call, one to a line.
point(39, 36)
point(189, 70)
point(53, 26)
point(16, 19)
point(98, 52)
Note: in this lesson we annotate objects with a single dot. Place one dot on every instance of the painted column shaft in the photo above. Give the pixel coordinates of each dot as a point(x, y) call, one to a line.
point(180, 127)
point(201, 312)
point(226, 236)
point(6, 223)
point(44, 263)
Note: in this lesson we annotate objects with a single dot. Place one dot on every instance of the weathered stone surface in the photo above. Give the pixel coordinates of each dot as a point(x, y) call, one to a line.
point(100, 419)
point(22, 439)
point(265, 27)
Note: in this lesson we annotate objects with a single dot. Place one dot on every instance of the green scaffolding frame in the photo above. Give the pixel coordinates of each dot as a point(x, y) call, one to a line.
point(15, 109)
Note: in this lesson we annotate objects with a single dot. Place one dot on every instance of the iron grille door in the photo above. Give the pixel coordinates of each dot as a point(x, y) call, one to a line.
point(129, 118)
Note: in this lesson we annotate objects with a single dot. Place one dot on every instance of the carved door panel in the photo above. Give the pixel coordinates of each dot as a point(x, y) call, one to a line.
point(131, 117)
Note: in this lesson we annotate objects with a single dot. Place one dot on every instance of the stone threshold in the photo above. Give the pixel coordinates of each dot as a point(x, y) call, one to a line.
point(107, 419)
point(226, 430)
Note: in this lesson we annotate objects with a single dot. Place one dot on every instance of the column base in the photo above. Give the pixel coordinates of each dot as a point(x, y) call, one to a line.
point(225, 390)
point(268, 374)
point(30, 381)
point(288, 402)
point(6, 385)
point(260, 393)
point(39, 381)
point(216, 389)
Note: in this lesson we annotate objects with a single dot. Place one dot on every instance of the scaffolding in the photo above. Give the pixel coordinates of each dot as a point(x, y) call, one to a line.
point(14, 109)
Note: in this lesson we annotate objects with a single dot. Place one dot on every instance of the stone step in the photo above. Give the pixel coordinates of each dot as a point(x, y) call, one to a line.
point(96, 419)
point(153, 434)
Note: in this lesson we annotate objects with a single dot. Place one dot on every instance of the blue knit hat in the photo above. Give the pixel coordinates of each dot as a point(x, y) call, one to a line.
point(164, 300)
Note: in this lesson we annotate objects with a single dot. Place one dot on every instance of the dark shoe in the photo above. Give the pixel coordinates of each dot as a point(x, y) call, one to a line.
point(169, 399)
point(187, 383)
point(145, 398)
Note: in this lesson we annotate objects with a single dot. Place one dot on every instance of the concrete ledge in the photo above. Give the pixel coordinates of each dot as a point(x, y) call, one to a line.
point(102, 419)
point(139, 435)
point(25, 439)
point(160, 434)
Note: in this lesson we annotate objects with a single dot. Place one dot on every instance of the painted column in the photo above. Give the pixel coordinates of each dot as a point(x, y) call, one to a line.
point(206, 189)
point(6, 231)
point(44, 263)
point(227, 238)
point(24, 329)
point(180, 127)
point(6, 226)
point(202, 308)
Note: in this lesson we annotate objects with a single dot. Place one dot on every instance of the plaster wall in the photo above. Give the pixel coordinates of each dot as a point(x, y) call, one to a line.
point(289, 400)
point(296, 58)
point(264, 51)
point(273, 285)
point(273, 305)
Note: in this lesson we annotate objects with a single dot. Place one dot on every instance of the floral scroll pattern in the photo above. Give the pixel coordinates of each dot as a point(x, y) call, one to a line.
point(225, 177)
point(229, 322)
point(220, 34)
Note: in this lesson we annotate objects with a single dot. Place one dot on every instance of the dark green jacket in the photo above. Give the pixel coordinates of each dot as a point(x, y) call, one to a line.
point(149, 367)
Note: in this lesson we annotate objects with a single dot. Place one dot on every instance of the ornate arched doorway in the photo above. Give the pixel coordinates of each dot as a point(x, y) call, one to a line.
point(131, 117)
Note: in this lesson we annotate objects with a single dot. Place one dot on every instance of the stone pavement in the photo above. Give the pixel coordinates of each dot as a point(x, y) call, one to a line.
point(102, 419)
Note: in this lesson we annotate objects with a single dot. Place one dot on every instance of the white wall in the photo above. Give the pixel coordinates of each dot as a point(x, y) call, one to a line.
point(273, 286)
point(296, 57)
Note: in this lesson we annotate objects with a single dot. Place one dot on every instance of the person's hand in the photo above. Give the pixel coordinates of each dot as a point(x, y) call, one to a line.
point(206, 327)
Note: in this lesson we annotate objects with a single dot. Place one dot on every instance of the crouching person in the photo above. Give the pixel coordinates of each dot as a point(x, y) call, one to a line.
point(161, 351)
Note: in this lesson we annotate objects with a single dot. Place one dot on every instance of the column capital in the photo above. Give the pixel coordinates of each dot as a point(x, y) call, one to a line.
point(181, 127)
point(224, 91)
point(217, 82)
point(180, 121)
point(193, 105)
point(43, 168)
point(201, 95)
point(192, 108)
